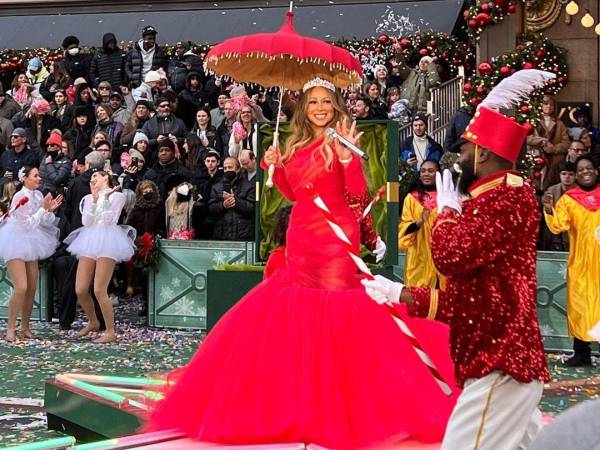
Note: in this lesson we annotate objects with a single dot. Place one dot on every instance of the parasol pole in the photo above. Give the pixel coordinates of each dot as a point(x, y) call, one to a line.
point(271, 169)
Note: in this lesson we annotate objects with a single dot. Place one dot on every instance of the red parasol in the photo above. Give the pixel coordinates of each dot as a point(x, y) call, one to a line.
point(283, 59)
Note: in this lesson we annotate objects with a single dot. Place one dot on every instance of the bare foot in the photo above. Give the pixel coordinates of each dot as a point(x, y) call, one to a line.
point(27, 334)
point(89, 328)
point(11, 336)
point(105, 338)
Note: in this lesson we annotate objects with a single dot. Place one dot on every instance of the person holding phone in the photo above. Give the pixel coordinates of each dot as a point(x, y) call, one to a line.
point(98, 246)
point(420, 146)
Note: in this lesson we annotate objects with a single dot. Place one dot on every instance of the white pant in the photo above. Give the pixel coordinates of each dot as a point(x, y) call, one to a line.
point(495, 412)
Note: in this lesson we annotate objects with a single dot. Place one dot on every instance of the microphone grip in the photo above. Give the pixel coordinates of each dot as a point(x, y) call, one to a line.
point(348, 144)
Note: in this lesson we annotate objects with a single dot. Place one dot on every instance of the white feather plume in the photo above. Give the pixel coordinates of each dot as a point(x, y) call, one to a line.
point(515, 88)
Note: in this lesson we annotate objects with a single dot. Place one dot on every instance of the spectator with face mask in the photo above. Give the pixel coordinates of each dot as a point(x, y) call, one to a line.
point(76, 62)
point(232, 205)
point(108, 64)
point(144, 57)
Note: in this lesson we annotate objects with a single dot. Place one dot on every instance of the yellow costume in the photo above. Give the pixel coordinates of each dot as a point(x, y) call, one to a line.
point(418, 269)
point(578, 213)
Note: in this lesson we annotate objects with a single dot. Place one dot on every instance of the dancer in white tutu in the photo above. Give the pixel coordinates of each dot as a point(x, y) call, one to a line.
point(98, 246)
point(27, 234)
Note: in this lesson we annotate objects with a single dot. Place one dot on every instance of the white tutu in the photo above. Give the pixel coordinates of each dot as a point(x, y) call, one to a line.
point(28, 244)
point(102, 241)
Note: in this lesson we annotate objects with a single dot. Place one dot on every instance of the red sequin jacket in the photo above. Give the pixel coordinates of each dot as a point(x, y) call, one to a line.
point(489, 256)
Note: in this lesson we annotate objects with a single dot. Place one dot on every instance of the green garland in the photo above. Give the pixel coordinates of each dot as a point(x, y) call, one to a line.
point(486, 12)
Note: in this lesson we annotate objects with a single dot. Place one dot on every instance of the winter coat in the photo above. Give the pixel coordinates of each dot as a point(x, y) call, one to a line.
point(49, 82)
point(134, 63)
point(121, 115)
point(559, 137)
point(161, 174)
point(55, 175)
point(456, 127)
point(190, 101)
point(6, 129)
point(113, 129)
point(377, 109)
point(147, 216)
point(8, 107)
point(78, 188)
point(157, 126)
point(433, 150)
point(237, 223)
point(108, 65)
point(213, 142)
point(78, 138)
point(78, 65)
point(416, 85)
point(11, 161)
point(180, 67)
point(400, 112)
point(49, 123)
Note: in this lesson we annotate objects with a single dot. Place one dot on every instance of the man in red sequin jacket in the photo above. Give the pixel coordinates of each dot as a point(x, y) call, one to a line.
point(488, 253)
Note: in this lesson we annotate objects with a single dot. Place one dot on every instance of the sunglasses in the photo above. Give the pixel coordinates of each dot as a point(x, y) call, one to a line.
point(104, 88)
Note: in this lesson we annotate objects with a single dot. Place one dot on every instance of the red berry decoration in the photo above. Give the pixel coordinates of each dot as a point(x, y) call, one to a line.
point(433, 43)
point(481, 90)
point(423, 52)
point(404, 43)
point(468, 87)
point(512, 8)
point(383, 39)
point(485, 68)
point(473, 23)
point(505, 70)
point(537, 174)
point(524, 108)
point(528, 65)
point(483, 18)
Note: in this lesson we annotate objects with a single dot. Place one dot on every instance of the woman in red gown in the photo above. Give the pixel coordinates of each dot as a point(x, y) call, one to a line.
point(307, 356)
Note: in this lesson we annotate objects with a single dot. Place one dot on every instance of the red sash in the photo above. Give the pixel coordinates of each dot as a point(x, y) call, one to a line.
point(429, 199)
point(590, 200)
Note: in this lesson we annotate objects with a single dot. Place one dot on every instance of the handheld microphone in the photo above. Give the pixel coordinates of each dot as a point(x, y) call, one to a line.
point(334, 134)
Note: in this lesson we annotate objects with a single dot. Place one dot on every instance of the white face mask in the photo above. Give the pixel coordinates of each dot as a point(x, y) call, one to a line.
point(184, 189)
point(73, 51)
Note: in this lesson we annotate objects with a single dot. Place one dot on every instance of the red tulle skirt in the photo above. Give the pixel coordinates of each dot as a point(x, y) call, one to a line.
point(295, 364)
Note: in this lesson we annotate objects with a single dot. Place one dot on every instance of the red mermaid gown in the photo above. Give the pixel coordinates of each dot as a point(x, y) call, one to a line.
point(307, 356)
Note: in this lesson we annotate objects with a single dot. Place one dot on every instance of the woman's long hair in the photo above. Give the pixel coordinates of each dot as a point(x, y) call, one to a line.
point(302, 132)
point(418, 186)
point(61, 74)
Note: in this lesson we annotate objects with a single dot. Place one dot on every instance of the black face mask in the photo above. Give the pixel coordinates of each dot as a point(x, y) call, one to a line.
point(229, 175)
point(148, 195)
point(184, 198)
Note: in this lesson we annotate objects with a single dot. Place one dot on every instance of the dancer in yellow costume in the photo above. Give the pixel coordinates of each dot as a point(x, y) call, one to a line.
point(578, 213)
point(414, 232)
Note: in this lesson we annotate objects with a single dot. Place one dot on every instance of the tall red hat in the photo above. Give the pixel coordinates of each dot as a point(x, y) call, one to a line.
point(496, 132)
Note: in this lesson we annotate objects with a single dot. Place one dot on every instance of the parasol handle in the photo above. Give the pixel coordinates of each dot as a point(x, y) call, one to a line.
point(271, 170)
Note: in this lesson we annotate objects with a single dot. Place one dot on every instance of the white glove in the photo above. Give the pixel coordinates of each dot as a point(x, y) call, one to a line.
point(380, 249)
point(382, 290)
point(447, 195)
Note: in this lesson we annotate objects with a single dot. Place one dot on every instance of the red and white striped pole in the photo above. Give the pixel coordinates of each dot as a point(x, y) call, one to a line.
point(372, 203)
point(341, 235)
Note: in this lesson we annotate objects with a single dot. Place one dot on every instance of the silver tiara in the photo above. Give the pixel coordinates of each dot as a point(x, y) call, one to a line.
point(318, 82)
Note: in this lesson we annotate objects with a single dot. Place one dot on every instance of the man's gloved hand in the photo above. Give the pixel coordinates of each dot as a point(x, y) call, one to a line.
point(380, 249)
point(382, 290)
point(447, 195)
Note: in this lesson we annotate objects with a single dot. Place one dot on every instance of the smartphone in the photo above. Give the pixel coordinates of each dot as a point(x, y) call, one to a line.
point(134, 162)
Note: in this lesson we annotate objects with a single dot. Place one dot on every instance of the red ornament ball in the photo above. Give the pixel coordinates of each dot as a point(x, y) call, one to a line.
point(537, 174)
point(539, 160)
point(505, 70)
point(468, 87)
point(562, 79)
point(466, 13)
point(423, 52)
point(500, 3)
point(378, 49)
point(485, 7)
point(540, 53)
point(383, 39)
point(483, 18)
point(485, 68)
point(433, 43)
point(528, 65)
point(524, 108)
point(475, 101)
point(481, 90)
point(404, 43)
point(512, 8)
point(473, 23)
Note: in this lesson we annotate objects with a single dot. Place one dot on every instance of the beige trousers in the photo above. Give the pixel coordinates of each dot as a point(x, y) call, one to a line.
point(495, 412)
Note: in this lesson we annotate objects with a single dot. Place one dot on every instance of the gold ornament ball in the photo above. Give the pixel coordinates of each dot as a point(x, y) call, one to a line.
point(587, 20)
point(572, 8)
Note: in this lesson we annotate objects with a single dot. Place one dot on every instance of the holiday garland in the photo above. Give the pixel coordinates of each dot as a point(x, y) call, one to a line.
point(485, 13)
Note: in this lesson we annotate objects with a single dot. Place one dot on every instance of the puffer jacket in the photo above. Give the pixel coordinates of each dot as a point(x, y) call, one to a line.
point(78, 65)
point(108, 65)
point(237, 223)
point(134, 63)
point(180, 67)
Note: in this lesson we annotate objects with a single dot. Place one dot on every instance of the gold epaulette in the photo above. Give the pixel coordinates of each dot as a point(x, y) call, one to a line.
point(514, 180)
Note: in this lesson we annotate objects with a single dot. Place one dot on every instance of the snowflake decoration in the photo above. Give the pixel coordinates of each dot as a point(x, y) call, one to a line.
point(563, 271)
point(186, 307)
point(176, 283)
point(396, 24)
point(166, 293)
point(219, 258)
point(547, 330)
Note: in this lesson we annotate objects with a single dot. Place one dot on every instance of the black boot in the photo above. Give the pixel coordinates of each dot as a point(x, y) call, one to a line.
point(582, 356)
